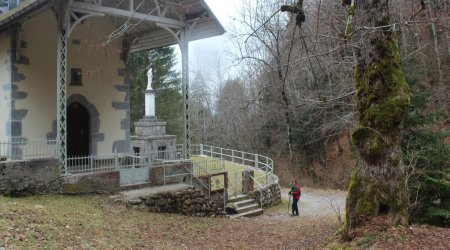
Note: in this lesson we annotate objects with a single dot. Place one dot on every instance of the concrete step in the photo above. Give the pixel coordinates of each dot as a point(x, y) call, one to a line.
point(135, 186)
point(239, 197)
point(244, 203)
point(248, 208)
point(250, 213)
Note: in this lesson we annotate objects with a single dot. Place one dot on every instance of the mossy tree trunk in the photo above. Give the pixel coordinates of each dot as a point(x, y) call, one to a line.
point(378, 183)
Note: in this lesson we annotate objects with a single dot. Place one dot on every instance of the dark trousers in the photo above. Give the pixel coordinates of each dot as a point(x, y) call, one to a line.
point(295, 207)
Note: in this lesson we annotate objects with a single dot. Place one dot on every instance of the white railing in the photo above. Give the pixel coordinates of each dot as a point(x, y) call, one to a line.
point(91, 163)
point(164, 156)
point(172, 171)
point(259, 162)
point(24, 149)
point(208, 166)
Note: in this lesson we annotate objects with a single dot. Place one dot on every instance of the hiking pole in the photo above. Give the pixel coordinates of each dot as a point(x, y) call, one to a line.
point(289, 202)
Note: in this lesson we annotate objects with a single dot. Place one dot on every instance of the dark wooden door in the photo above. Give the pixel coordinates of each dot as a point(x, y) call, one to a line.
point(77, 130)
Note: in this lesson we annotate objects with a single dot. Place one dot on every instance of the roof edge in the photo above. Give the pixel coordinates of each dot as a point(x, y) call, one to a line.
point(213, 16)
point(9, 17)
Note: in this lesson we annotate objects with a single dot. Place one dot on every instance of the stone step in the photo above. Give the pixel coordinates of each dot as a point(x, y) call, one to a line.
point(239, 197)
point(244, 203)
point(244, 209)
point(250, 213)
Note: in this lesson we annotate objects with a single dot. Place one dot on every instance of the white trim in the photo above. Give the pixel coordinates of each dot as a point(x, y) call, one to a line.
point(78, 20)
point(184, 47)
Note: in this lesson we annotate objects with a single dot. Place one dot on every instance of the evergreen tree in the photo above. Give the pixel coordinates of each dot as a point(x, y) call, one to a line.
point(428, 157)
point(137, 68)
point(166, 82)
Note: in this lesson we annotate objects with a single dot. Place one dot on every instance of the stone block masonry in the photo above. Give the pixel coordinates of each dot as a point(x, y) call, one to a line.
point(106, 182)
point(188, 202)
point(267, 196)
point(24, 178)
point(42, 176)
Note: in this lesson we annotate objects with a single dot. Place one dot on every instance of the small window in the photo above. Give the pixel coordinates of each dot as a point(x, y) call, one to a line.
point(162, 154)
point(136, 150)
point(76, 77)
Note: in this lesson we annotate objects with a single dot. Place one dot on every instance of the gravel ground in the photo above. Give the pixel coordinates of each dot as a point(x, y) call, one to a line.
point(314, 203)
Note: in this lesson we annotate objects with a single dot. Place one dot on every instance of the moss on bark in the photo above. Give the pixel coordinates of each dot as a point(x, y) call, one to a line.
point(368, 197)
point(378, 183)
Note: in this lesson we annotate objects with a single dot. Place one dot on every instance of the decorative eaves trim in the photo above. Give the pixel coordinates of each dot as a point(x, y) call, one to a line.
point(23, 8)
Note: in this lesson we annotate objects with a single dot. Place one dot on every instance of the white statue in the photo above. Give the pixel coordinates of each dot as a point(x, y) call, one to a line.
point(149, 96)
point(149, 79)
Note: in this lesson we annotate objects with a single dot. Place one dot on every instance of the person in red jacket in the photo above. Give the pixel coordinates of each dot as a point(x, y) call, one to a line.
point(296, 193)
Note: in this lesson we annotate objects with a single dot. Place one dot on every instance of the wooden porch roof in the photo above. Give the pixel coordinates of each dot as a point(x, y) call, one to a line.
point(150, 23)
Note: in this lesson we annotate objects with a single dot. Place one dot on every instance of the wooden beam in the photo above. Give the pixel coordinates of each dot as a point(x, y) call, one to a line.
point(161, 21)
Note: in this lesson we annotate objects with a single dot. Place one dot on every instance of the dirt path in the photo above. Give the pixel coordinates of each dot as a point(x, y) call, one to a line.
point(319, 203)
point(314, 203)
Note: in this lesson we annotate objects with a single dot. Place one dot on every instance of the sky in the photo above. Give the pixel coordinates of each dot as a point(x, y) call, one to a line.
point(210, 52)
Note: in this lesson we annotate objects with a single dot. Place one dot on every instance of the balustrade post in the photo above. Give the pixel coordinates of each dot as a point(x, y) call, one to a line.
point(116, 159)
point(267, 173)
point(91, 163)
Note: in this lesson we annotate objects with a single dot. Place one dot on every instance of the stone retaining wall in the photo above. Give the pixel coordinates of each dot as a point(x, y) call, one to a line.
point(108, 182)
point(41, 176)
point(182, 169)
point(29, 177)
point(187, 202)
point(271, 195)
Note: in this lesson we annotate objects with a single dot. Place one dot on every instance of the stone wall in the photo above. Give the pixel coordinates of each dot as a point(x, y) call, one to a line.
point(271, 195)
point(91, 183)
point(187, 202)
point(182, 169)
point(23, 178)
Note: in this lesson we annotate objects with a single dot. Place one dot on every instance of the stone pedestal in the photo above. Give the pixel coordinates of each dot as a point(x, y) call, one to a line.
point(151, 139)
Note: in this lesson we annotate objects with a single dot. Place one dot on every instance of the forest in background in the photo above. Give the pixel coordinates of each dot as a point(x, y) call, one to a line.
point(293, 98)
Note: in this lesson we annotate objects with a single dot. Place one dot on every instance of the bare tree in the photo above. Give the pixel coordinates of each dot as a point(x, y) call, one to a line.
point(292, 67)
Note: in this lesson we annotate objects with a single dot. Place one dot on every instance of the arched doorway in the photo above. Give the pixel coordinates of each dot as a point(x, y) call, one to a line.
point(78, 131)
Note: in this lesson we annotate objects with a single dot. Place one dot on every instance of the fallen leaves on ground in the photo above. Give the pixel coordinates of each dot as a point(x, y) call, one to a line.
point(95, 222)
point(378, 233)
point(81, 222)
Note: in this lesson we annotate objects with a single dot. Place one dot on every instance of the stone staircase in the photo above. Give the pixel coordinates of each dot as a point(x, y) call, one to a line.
point(244, 206)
